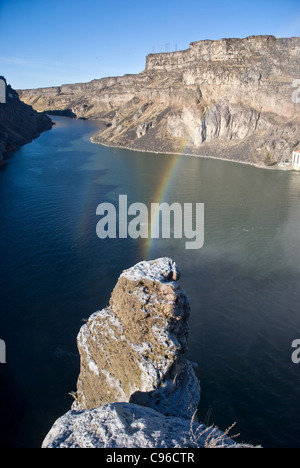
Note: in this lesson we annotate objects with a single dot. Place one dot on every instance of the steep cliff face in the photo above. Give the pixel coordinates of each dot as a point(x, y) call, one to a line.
point(231, 98)
point(135, 388)
point(19, 124)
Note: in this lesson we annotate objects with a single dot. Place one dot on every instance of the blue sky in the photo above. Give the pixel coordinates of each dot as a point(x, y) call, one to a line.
point(69, 41)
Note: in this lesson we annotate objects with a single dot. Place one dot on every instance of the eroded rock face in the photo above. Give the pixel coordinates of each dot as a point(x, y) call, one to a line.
point(19, 124)
point(136, 389)
point(117, 425)
point(133, 350)
point(230, 98)
point(124, 425)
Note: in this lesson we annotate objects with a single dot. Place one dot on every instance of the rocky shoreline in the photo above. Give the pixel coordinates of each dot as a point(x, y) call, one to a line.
point(273, 166)
point(136, 389)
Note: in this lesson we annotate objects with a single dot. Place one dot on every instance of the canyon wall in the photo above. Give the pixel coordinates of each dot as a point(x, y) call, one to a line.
point(231, 98)
point(19, 123)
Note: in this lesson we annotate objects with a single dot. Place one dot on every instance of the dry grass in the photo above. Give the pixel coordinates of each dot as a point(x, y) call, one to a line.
point(211, 437)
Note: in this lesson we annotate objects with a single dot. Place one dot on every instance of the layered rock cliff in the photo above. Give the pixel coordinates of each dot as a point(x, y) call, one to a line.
point(231, 98)
point(19, 124)
point(135, 387)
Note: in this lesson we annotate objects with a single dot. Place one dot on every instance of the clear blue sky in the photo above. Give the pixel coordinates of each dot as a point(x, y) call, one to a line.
point(48, 43)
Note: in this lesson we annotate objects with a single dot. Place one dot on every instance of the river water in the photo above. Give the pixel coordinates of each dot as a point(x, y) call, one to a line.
point(243, 285)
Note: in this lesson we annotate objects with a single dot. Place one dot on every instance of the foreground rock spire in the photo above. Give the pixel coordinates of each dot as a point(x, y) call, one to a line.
point(133, 350)
point(135, 388)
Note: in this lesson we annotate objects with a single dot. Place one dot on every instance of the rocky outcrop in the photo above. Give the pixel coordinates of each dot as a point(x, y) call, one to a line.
point(134, 350)
point(125, 425)
point(135, 388)
point(19, 124)
point(232, 98)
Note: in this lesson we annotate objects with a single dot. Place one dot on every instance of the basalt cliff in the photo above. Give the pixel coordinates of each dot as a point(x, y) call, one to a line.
point(136, 389)
point(19, 123)
point(236, 99)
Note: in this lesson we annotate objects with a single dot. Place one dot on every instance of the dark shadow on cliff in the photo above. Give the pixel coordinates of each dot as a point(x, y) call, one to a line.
point(178, 395)
point(62, 113)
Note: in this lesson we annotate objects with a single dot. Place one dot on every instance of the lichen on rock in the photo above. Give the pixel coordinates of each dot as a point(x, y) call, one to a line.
point(125, 425)
point(136, 389)
point(133, 350)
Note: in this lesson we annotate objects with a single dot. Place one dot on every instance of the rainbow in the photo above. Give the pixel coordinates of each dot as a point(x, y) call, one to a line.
point(172, 169)
point(174, 166)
